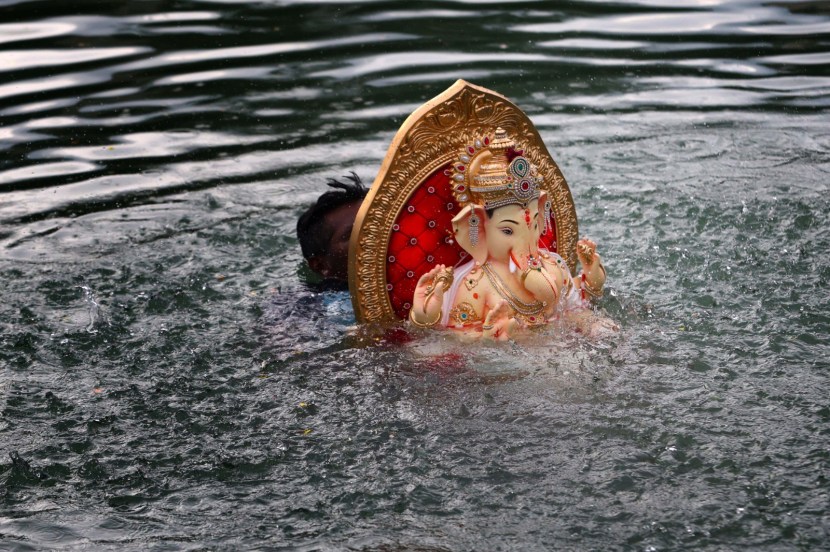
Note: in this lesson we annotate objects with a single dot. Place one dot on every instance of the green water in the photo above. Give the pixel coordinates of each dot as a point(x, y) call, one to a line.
point(169, 380)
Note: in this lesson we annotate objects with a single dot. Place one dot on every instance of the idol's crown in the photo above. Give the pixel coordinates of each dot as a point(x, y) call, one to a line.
point(493, 173)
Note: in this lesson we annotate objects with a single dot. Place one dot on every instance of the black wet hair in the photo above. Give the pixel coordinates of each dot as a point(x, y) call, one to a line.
point(313, 241)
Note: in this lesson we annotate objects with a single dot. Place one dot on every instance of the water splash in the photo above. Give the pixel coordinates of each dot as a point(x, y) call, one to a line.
point(96, 314)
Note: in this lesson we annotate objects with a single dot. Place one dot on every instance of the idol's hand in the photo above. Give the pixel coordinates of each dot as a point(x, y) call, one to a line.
point(498, 324)
point(429, 295)
point(593, 273)
point(586, 251)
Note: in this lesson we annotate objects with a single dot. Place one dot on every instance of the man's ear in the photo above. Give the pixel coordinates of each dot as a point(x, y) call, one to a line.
point(319, 265)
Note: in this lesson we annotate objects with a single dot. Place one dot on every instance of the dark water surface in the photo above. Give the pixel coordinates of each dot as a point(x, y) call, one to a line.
point(169, 381)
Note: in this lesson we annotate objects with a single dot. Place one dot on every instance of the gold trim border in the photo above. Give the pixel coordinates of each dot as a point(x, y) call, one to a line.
point(433, 135)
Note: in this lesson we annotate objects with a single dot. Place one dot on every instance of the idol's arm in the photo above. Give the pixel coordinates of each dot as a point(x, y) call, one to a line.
point(429, 297)
point(592, 280)
point(499, 324)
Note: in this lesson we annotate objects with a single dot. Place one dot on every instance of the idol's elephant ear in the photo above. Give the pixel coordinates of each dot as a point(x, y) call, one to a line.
point(468, 227)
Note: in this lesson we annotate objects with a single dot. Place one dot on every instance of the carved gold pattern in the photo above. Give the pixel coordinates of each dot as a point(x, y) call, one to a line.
point(464, 314)
point(471, 281)
point(430, 138)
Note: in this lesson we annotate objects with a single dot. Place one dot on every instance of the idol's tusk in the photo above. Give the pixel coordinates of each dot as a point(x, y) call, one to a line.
point(513, 265)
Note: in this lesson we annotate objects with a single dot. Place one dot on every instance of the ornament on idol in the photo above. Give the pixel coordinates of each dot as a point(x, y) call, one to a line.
point(493, 173)
point(547, 218)
point(474, 222)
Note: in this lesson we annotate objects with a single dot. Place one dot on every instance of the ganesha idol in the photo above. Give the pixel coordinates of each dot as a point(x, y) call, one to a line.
point(470, 225)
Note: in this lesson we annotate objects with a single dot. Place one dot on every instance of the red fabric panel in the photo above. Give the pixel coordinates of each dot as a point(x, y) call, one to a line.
point(421, 238)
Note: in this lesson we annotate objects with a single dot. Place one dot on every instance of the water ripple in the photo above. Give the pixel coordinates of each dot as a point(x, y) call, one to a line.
point(24, 59)
point(15, 32)
point(650, 24)
point(248, 73)
point(816, 58)
point(382, 63)
point(149, 144)
point(259, 50)
point(44, 170)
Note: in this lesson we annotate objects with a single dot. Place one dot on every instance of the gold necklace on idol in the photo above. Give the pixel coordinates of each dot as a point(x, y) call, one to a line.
point(529, 312)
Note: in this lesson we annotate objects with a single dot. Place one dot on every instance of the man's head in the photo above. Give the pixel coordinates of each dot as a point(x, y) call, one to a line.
point(325, 228)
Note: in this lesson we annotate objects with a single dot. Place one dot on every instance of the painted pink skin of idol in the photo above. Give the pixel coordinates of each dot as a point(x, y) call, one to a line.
point(517, 272)
point(527, 245)
point(509, 237)
point(515, 230)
